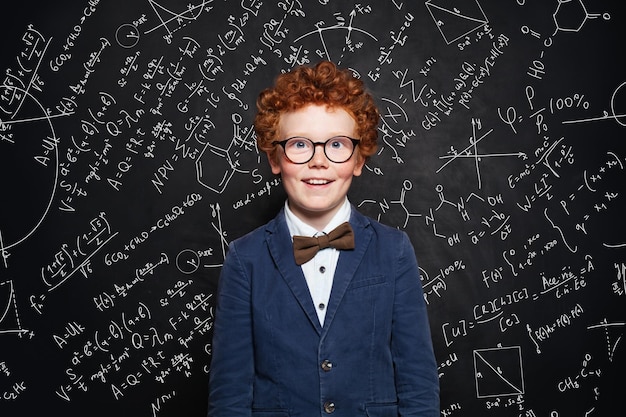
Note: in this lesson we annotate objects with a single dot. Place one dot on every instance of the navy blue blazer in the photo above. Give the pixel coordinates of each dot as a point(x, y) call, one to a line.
point(372, 357)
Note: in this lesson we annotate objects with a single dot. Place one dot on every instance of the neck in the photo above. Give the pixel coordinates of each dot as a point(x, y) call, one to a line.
point(316, 219)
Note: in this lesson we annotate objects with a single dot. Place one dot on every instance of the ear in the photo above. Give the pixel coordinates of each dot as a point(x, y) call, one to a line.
point(272, 159)
point(358, 166)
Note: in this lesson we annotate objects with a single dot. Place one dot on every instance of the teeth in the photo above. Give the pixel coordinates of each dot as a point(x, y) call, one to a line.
point(318, 182)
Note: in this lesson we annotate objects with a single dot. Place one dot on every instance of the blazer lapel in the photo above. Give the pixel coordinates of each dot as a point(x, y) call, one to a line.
point(281, 249)
point(349, 261)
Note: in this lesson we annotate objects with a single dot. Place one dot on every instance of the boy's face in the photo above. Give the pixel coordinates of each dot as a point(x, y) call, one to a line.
point(316, 189)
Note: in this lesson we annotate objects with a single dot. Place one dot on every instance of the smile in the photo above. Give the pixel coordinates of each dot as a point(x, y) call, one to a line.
point(317, 182)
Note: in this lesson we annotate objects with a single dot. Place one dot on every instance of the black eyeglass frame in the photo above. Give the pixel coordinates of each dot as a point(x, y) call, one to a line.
point(355, 143)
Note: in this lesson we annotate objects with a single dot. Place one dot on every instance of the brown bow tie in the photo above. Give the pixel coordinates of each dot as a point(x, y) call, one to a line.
point(305, 248)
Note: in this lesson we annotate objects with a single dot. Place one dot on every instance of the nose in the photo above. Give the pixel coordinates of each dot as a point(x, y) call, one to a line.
point(319, 157)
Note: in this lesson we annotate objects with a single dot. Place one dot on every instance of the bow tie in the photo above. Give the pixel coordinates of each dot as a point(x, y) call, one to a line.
point(305, 248)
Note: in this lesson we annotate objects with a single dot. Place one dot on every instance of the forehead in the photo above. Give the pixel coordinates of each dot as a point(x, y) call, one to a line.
point(317, 121)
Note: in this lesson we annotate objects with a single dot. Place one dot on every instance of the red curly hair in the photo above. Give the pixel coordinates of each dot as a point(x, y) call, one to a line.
point(322, 84)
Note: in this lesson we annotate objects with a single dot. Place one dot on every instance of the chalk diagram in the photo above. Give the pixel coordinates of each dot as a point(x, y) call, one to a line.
point(455, 20)
point(9, 317)
point(617, 105)
point(217, 214)
point(127, 35)
point(612, 339)
point(189, 261)
point(335, 35)
point(472, 153)
point(172, 21)
point(571, 15)
point(384, 206)
point(498, 372)
point(28, 166)
point(216, 166)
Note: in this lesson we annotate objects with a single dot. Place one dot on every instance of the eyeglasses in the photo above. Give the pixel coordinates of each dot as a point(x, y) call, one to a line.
point(300, 150)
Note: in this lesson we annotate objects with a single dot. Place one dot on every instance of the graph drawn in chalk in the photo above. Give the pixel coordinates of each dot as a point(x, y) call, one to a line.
point(613, 332)
point(456, 19)
point(216, 213)
point(498, 372)
point(9, 317)
point(617, 105)
point(338, 34)
point(29, 168)
point(172, 21)
point(189, 261)
point(472, 152)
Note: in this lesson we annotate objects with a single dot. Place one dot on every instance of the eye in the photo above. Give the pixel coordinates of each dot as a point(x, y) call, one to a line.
point(339, 142)
point(298, 144)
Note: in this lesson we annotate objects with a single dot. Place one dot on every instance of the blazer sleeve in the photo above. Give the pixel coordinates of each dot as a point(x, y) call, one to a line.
point(232, 362)
point(417, 380)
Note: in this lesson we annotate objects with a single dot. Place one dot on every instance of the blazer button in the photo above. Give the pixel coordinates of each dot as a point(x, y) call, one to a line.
point(329, 407)
point(327, 365)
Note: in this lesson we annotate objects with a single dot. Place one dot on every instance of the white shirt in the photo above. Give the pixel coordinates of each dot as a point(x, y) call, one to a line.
point(320, 270)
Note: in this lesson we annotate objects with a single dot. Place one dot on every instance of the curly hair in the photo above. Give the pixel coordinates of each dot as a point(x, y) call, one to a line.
point(323, 84)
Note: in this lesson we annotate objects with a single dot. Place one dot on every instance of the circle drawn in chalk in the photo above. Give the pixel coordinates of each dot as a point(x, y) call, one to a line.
point(618, 104)
point(187, 261)
point(127, 35)
point(29, 165)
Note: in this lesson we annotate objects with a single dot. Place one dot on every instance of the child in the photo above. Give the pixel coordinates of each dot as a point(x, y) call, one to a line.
point(339, 327)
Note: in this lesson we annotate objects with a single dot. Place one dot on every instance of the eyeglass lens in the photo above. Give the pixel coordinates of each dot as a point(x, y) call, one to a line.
point(337, 149)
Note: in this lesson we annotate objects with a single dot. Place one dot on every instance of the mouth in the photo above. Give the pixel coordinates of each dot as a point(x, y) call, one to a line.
point(317, 181)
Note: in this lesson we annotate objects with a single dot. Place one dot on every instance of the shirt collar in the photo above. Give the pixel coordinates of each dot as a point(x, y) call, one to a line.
point(298, 227)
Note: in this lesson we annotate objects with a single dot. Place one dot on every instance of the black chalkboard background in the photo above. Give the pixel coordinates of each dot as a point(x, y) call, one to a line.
point(128, 163)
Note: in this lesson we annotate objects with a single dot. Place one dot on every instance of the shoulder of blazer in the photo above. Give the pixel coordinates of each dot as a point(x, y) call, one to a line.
point(252, 241)
point(255, 237)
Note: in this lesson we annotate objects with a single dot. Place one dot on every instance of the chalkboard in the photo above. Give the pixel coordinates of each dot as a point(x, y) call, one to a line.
point(128, 163)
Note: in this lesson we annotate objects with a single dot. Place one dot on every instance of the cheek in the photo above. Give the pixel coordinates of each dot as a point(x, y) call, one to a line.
point(347, 174)
point(288, 171)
